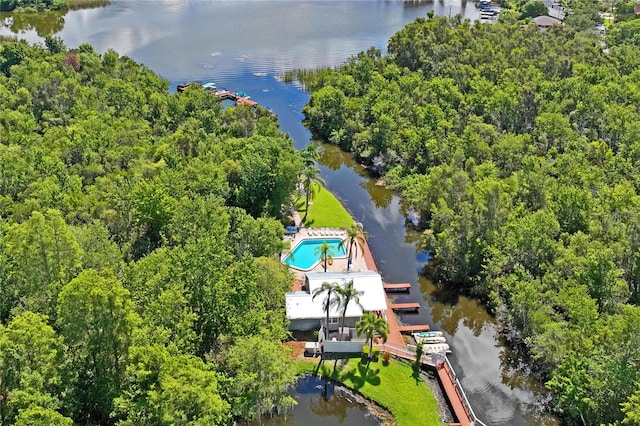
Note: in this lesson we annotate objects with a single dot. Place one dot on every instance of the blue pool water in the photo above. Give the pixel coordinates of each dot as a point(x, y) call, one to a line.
point(304, 255)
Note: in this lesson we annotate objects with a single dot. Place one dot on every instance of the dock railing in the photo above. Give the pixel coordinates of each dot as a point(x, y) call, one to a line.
point(463, 396)
point(409, 353)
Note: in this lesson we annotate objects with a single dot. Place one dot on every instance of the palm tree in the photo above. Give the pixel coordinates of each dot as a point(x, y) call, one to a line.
point(355, 238)
point(347, 293)
point(325, 252)
point(283, 245)
point(309, 155)
point(331, 298)
point(310, 175)
point(369, 325)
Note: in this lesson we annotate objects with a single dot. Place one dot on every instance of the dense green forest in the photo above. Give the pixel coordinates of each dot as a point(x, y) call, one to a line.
point(520, 150)
point(139, 233)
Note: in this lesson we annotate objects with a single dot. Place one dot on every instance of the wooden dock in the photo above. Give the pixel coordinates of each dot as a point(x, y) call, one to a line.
point(457, 398)
point(395, 345)
point(397, 287)
point(414, 306)
point(413, 328)
point(239, 100)
point(223, 94)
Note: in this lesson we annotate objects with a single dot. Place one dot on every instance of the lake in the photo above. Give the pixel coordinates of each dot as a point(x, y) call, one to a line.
point(247, 46)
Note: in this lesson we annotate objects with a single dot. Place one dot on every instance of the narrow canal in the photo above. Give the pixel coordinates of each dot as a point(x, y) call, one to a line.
point(247, 45)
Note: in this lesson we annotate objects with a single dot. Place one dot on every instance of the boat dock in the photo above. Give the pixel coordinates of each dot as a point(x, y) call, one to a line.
point(459, 404)
point(238, 98)
point(231, 96)
point(397, 287)
point(413, 306)
point(414, 328)
point(396, 346)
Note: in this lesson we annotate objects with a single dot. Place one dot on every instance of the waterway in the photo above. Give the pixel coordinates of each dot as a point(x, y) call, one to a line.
point(322, 403)
point(247, 46)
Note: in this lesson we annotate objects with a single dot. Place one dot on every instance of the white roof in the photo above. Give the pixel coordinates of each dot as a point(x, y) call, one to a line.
point(546, 21)
point(300, 305)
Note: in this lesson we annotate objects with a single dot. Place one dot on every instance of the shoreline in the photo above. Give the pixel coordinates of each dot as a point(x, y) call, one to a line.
point(378, 408)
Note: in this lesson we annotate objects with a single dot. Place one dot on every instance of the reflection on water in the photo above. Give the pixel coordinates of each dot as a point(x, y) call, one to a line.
point(319, 404)
point(334, 158)
point(479, 351)
point(246, 45)
point(450, 309)
point(43, 23)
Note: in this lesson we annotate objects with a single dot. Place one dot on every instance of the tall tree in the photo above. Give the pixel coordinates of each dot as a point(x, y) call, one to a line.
point(42, 255)
point(310, 181)
point(347, 293)
point(262, 372)
point(96, 319)
point(309, 156)
point(331, 298)
point(370, 324)
point(325, 252)
point(30, 357)
point(166, 389)
point(355, 238)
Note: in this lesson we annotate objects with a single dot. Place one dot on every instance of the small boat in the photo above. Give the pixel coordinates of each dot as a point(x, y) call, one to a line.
point(243, 95)
point(182, 87)
point(428, 334)
point(430, 340)
point(436, 348)
point(209, 87)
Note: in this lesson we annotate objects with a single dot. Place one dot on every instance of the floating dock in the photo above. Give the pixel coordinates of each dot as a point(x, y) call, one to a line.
point(397, 287)
point(239, 100)
point(414, 328)
point(222, 94)
point(414, 306)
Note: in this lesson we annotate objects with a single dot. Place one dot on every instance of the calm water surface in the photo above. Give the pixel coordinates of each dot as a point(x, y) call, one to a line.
point(316, 409)
point(247, 45)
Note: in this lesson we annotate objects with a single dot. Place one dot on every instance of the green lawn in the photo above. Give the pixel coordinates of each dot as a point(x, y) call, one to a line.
point(394, 386)
point(325, 211)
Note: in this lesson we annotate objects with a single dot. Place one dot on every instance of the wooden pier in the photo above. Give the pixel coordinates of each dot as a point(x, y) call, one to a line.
point(457, 399)
point(396, 346)
point(397, 287)
point(223, 94)
point(239, 100)
point(414, 328)
point(414, 306)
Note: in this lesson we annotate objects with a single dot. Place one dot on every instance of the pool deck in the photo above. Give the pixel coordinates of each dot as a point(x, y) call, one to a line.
point(363, 261)
point(358, 262)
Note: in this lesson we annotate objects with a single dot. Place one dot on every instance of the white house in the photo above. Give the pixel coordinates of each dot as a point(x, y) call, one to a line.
point(305, 313)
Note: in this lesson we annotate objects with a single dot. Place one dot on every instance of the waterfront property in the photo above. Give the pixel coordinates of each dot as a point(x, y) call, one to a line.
point(306, 313)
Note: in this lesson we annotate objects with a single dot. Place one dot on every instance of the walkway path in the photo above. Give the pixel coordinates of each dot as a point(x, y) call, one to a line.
point(394, 337)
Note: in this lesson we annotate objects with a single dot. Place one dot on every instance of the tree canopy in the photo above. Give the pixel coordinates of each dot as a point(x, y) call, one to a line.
point(519, 149)
point(139, 234)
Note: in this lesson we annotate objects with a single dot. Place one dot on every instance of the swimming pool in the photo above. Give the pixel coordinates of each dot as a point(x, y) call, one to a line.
point(304, 255)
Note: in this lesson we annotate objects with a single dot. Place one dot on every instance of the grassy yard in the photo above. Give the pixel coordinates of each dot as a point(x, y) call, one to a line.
point(325, 211)
point(393, 386)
